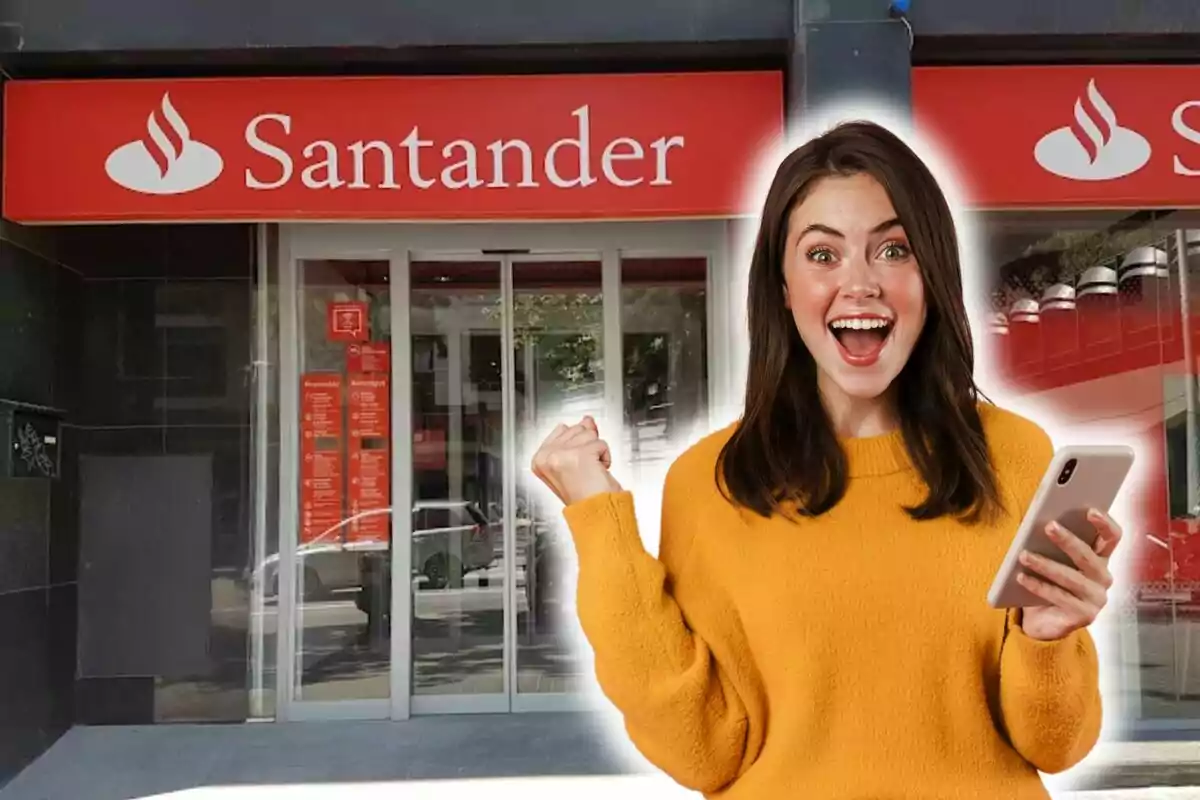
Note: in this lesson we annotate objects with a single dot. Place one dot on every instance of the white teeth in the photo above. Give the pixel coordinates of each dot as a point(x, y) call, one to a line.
point(860, 324)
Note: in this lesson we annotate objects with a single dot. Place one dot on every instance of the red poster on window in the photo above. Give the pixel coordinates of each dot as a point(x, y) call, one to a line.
point(320, 407)
point(346, 321)
point(370, 458)
point(370, 495)
point(369, 407)
point(321, 496)
point(321, 447)
point(372, 357)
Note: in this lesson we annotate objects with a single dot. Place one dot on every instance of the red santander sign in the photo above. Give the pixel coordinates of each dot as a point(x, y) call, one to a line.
point(418, 148)
point(1069, 136)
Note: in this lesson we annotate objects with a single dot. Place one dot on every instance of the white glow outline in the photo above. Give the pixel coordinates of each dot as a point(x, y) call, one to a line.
point(1061, 430)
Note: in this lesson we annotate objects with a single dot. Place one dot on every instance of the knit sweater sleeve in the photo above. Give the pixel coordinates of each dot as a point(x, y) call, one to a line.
point(1050, 696)
point(683, 708)
point(1049, 690)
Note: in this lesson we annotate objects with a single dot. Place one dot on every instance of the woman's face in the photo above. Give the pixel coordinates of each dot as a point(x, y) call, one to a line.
point(853, 286)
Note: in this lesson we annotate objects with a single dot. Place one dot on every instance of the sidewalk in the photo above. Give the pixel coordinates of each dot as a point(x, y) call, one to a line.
point(1135, 764)
point(123, 763)
point(442, 757)
point(594, 788)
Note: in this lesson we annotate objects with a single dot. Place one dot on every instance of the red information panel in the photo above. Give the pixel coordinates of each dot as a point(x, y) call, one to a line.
point(369, 412)
point(321, 403)
point(370, 457)
point(369, 357)
point(370, 493)
point(346, 322)
point(321, 479)
point(321, 498)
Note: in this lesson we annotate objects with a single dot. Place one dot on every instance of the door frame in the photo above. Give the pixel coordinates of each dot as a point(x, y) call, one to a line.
point(289, 709)
point(397, 243)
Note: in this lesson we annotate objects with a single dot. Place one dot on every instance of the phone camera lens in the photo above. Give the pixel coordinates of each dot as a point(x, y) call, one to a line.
point(1067, 471)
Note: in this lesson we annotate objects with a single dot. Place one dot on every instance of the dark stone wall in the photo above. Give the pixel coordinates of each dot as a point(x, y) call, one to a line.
point(39, 369)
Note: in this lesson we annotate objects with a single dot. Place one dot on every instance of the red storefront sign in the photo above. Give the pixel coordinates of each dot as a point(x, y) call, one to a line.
point(1067, 136)
point(321, 454)
point(489, 147)
point(369, 357)
point(370, 458)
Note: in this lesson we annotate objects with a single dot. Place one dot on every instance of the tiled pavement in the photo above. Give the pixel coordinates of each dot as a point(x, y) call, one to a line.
point(433, 757)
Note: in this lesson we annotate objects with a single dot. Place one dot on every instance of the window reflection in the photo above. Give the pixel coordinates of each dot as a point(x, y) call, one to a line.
point(559, 368)
point(1088, 318)
point(341, 588)
point(457, 543)
point(665, 359)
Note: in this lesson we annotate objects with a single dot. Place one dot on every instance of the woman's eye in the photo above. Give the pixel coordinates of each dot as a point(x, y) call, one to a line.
point(895, 252)
point(821, 256)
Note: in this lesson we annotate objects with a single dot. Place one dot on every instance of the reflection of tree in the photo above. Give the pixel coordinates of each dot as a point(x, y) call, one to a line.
point(664, 352)
point(564, 331)
point(647, 360)
point(1080, 250)
point(1062, 256)
point(572, 358)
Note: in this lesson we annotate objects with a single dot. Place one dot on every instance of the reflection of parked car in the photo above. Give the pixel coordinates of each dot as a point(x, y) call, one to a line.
point(449, 539)
point(437, 526)
point(325, 566)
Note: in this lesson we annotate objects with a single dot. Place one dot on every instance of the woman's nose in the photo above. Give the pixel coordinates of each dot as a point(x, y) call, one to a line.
point(860, 279)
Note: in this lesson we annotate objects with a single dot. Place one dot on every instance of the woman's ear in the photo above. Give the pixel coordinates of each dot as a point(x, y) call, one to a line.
point(787, 300)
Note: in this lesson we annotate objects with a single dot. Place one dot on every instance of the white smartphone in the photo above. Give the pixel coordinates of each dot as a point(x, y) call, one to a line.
point(1080, 477)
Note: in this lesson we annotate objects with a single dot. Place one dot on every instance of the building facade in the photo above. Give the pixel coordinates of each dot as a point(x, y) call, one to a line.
point(266, 279)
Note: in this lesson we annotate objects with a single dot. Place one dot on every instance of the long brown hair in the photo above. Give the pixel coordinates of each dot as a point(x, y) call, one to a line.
point(785, 448)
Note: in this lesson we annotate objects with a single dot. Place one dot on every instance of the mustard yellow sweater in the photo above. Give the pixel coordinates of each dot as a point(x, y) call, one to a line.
point(850, 656)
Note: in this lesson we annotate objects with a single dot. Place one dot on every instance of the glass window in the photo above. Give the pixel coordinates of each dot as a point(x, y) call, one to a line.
point(558, 374)
point(458, 569)
point(1091, 315)
point(342, 561)
point(665, 359)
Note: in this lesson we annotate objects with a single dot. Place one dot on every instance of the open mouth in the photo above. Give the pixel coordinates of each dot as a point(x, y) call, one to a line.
point(861, 339)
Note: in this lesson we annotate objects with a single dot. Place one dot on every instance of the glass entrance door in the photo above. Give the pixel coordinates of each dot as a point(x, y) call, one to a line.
point(332, 575)
point(499, 346)
point(414, 387)
point(459, 543)
point(558, 374)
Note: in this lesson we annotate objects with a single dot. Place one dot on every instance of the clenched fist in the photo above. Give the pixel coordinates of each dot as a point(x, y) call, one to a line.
point(574, 462)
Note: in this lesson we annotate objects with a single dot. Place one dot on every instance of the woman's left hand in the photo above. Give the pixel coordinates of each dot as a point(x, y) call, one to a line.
point(1076, 595)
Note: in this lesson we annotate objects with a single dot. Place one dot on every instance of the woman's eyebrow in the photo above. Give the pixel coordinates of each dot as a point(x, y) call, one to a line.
point(818, 227)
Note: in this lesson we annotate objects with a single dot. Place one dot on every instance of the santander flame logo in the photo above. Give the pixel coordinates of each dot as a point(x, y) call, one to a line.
point(1095, 147)
point(169, 161)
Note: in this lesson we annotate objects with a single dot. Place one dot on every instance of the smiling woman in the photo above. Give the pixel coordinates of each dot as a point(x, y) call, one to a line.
point(853, 516)
point(848, 231)
point(857, 239)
